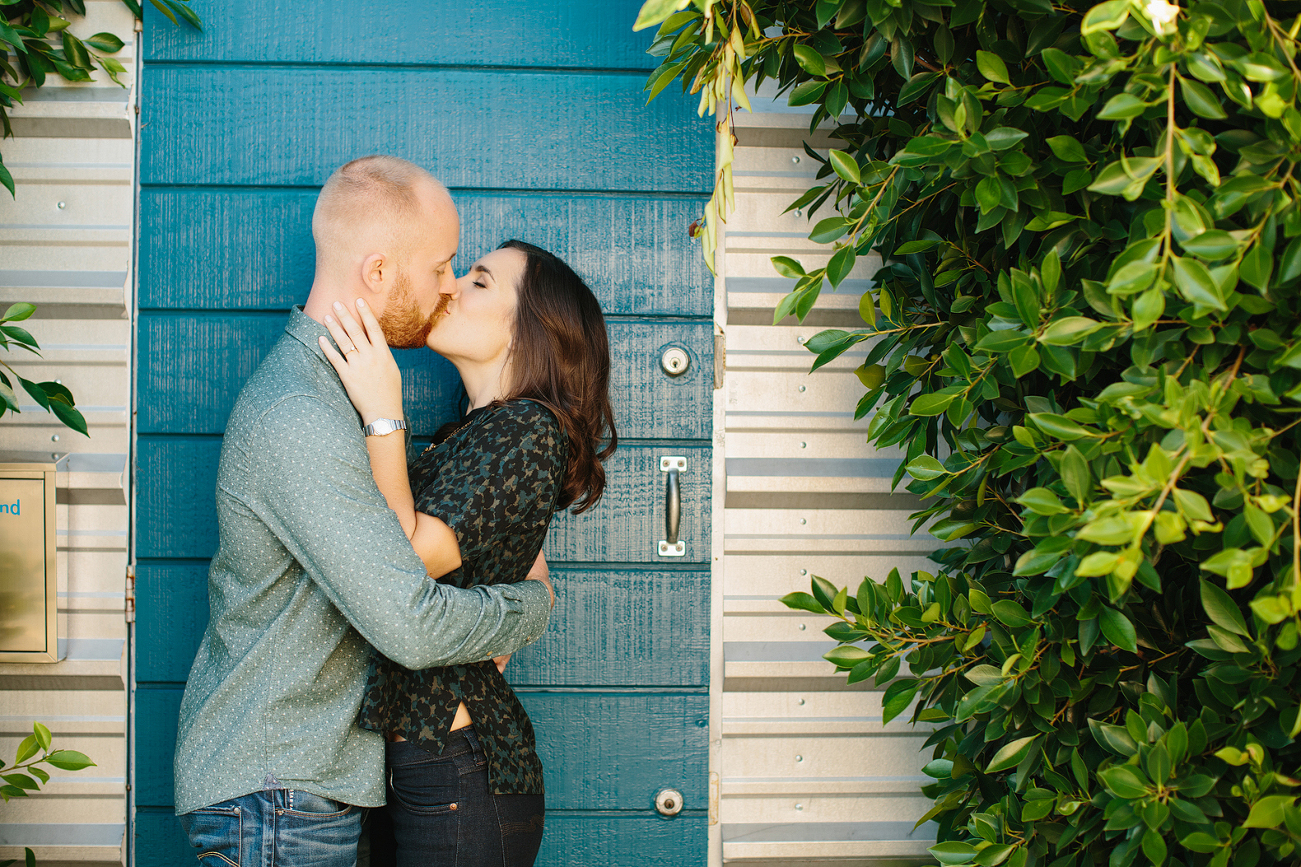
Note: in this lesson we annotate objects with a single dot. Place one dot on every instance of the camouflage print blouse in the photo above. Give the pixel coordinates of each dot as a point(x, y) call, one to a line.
point(495, 481)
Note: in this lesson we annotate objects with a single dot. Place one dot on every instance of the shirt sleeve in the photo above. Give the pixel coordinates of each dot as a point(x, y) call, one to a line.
point(321, 501)
point(509, 470)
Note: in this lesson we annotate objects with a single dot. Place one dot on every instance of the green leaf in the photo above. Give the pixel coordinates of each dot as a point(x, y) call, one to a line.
point(1011, 754)
point(1067, 149)
point(1004, 137)
point(829, 230)
point(992, 67)
point(69, 760)
point(1196, 284)
point(105, 42)
point(43, 736)
point(845, 656)
point(841, 264)
point(1117, 629)
point(924, 468)
point(75, 51)
point(953, 852)
point(1114, 738)
point(897, 697)
point(652, 14)
point(1010, 614)
point(1042, 501)
point(845, 166)
point(1069, 330)
point(1212, 245)
point(1268, 811)
point(1222, 610)
point(1124, 781)
point(1199, 98)
point(1059, 426)
point(1105, 16)
point(27, 748)
point(927, 405)
point(810, 60)
point(1122, 106)
point(787, 267)
point(18, 312)
point(803, 602)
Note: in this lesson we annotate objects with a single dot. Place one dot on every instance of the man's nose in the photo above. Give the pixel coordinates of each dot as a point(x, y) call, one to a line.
point(450, 286)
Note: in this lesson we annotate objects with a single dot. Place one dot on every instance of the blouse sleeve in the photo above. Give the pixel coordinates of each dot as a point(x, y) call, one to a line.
point(510, 468)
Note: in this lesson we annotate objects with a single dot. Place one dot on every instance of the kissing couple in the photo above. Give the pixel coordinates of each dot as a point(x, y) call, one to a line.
point(364, 603)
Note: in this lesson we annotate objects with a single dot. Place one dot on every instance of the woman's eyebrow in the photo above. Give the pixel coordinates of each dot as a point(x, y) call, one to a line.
point(485, 270)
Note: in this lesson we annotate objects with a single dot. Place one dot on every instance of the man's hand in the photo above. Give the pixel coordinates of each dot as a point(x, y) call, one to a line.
point(501, 662)
point(539, 572)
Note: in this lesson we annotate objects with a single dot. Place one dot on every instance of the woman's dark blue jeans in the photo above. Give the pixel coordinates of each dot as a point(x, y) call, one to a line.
point(441, 811)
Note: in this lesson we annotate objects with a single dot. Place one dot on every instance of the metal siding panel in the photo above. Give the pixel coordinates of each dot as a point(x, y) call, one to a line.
point(807, 770)
point(65, 246)
point(277, 135)
point(251, 248)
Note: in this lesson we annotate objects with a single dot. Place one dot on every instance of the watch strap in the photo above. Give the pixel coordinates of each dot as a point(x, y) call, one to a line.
point(384, 426)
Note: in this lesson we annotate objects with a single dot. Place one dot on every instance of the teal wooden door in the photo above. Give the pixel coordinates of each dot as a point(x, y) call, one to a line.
point(533, 114)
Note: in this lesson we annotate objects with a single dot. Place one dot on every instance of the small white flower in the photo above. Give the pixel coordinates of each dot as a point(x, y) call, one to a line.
point(1161, 14)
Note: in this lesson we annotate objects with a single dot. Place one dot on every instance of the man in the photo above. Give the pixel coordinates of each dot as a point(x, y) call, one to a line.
point(312, 567)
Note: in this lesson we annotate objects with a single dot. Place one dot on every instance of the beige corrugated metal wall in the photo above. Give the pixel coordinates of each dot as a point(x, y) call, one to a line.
point(805, 771)
point(66, 246)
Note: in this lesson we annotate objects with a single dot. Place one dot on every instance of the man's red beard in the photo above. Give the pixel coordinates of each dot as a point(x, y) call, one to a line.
point(402, 323)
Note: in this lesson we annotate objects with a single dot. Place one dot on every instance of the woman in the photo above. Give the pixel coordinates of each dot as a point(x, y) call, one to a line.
point(528, 339)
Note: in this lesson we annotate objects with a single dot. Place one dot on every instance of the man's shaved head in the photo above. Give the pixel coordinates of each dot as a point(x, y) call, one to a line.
point(387, 231)
point(371, 205)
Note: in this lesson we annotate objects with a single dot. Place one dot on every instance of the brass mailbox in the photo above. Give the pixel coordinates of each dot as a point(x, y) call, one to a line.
point(29, 623)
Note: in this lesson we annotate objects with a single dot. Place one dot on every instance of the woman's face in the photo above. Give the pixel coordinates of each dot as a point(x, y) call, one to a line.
point(480, 317)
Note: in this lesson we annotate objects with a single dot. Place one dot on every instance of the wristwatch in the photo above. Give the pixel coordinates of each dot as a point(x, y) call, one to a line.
point(384, 426)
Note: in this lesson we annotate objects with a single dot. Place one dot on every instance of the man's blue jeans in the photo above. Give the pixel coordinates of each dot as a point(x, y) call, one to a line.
point(276, 828)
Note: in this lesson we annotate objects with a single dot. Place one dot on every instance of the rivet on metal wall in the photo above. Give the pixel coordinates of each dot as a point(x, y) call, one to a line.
point(803, 388)
point(804, 445)
point(62, 205)
point(54, 439)
point(800, 702)
point(803, 627)
point(804, 571)
point(799, 212)
point(795, 160)
point(804, 520)
point(799, 807)
point(799, 758)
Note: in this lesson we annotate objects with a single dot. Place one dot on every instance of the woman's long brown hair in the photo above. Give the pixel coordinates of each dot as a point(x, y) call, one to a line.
point(561, 359)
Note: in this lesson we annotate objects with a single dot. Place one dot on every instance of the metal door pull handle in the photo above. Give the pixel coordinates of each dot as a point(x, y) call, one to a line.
point(670, 546)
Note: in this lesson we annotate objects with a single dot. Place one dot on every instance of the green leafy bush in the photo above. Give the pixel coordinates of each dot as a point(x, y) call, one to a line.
point(35, 42)
point(1087, 337)
point(21, 778)
point(51, 396)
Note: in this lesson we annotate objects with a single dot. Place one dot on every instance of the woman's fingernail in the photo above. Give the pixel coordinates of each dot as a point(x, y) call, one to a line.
point(338, 306)
point(361, 302)
point(329, 318)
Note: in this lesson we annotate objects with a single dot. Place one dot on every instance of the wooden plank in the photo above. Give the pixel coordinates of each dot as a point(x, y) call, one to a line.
point(503, 129)
point(488, 33)
point(193, 365)
point(610, 840)
point(653, 625)
point(627, 840)
point(178, 480)
point(252, 248)
point(600, 751)
point(172, 612)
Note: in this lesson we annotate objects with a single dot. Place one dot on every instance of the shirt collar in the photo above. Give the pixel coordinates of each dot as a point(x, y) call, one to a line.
point(306, 330)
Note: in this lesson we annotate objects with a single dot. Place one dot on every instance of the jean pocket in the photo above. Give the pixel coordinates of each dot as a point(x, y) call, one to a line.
point(425, 788)
point(216, 833)
point(306, 804)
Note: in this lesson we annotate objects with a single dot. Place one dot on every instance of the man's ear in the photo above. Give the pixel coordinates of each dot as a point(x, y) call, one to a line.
point(375, 273)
